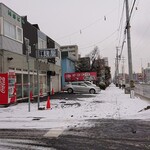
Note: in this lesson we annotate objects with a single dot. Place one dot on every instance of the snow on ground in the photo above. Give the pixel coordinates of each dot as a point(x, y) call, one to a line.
point(111, 103)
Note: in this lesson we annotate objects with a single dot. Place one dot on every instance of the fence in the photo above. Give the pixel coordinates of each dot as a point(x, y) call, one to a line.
point(143, 90)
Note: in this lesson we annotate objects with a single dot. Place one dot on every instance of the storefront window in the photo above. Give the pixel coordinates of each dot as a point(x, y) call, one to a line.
point(25, 85)
point(35, 85)
point(43, 84)
point(19, 85)
point(31, 83)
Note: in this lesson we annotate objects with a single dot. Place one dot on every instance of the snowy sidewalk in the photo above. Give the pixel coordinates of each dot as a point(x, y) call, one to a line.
point(111, 103)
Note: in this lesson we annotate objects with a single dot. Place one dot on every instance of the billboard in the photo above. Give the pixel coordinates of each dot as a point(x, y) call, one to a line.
point(80, 76)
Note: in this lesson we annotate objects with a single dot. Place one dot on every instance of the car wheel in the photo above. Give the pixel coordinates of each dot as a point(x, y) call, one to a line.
point(70, 90)
point(92, 91)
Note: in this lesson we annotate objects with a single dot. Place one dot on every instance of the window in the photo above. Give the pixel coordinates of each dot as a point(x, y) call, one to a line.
point(13, 31)
point(19, 34)
point(58, 54)
point(41, 43)
point(19, 85)
point(81, 84)
point(74, 83)
point(9, 30)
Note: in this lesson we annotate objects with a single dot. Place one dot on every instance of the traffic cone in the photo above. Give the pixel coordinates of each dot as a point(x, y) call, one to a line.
point(52, 91)
point(31, 95)
point(48, 104)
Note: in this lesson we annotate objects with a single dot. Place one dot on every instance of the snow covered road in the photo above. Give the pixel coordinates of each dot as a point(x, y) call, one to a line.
point(111, 103)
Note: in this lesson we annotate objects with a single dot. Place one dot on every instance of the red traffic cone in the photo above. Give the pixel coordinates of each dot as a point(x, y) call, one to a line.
point(52, 91)
point(31, 95)
point(48, 104)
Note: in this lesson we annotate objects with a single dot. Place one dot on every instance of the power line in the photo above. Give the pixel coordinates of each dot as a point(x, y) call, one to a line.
point(101, 40)
point(125, 29)
point(124, 38)
point(132, 9)
point(121, 22)
point(84, 28)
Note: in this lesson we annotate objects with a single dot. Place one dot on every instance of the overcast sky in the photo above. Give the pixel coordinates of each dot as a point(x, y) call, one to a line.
point(90, 23)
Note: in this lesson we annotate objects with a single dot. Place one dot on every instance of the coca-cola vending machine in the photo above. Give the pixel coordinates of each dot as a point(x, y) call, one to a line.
point(7, 88)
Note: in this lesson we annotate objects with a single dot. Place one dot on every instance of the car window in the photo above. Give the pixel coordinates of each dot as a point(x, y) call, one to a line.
point(81, 84)
point(88, 83)
point(74, 83)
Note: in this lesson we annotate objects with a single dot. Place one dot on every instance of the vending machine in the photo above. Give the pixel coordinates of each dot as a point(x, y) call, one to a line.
point(7, 88)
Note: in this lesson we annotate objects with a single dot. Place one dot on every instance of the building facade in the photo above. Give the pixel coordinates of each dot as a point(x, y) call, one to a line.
point(71, 49)
point(13, 55)
point(146, 74)
point(69, 59)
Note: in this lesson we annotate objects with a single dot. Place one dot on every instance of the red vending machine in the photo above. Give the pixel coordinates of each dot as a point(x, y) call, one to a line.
point(7, 88)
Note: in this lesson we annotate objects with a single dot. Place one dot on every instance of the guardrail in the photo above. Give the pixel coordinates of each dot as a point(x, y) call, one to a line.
point(143, 90)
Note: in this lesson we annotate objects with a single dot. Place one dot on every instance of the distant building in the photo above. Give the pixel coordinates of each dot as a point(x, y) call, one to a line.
point(72, 49)
point(69, 57)
point(147, 73)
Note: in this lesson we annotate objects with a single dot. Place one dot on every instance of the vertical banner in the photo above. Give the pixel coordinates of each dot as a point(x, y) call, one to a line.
point(12, 87)
point(4, 88)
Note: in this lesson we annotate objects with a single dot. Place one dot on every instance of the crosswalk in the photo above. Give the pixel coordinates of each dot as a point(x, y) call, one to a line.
point(54, 132)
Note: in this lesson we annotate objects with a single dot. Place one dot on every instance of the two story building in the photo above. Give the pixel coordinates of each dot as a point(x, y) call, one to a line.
point(14, 29)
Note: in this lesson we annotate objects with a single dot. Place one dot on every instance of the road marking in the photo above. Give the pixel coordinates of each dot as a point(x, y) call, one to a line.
point(54, 132)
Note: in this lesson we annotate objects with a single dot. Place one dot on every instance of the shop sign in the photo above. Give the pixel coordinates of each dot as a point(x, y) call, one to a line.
point(15, 16)
point(47, 53)
point(80, 76)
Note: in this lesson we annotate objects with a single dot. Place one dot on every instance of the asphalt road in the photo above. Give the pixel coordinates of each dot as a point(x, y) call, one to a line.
point(104, 134)
point(73, 96)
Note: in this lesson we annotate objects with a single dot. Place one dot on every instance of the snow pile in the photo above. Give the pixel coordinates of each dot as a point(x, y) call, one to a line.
point(111, 103)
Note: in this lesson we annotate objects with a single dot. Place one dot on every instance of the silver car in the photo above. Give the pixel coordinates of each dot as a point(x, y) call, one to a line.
point(89, 83)
point(81, 87)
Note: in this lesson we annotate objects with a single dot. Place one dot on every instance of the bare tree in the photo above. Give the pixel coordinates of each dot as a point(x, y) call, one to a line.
point(93, 55)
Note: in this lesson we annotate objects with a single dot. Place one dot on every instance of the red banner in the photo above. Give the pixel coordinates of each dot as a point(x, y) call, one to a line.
point(80, 76)
point(4, 88)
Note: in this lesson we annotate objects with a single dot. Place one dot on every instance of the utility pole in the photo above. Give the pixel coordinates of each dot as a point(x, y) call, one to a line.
point(27, 54)
point(142, 71)
point(123, 72)
point(37, 61)
point(131, 84)
point(117, 67)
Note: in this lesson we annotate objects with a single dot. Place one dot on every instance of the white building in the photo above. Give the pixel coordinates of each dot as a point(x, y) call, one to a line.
point(13, 30)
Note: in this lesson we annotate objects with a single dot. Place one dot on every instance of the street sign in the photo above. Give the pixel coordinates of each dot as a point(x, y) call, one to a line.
point(47, 53)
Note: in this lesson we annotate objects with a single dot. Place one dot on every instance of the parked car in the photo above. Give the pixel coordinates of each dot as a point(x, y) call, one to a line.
point(89, 83)
point(81, 86)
